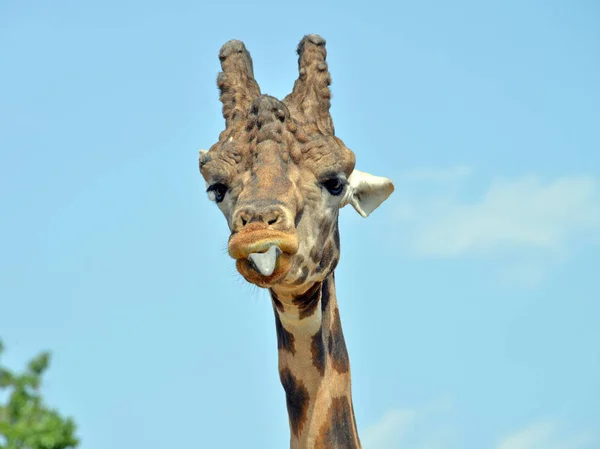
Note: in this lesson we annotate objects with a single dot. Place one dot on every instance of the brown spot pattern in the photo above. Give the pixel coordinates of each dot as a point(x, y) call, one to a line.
point(337, 432)
point(317, 349)
point(285, 339)
point(337, 345)
point(336, 238)
point(297, 400)
point(314, 254)
point(318, 251)
point(325, 295)
point(326, 258)
point(303, 276)
point(307, 303)
point(277, 302)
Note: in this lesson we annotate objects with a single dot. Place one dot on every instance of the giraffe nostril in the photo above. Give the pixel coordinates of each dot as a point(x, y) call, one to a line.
point(254, 217)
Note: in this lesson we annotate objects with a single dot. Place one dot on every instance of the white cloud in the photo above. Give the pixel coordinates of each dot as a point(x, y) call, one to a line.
point(389, 431)
point(528, 273)
point(530, 438)
point(545, 435)
point(424, 428)
point(432, 427)
point(518, 213)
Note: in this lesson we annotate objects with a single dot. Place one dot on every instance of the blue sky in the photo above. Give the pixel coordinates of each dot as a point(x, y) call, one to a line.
point(470, 300)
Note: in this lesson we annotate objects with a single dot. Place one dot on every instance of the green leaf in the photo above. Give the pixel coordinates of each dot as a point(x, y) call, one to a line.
point(26, 422)
point(39, 364)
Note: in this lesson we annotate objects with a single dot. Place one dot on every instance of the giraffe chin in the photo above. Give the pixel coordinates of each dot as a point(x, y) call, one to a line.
point(247, 269)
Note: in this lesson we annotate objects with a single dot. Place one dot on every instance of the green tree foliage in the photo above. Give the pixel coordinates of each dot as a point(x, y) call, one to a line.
point(25, 422)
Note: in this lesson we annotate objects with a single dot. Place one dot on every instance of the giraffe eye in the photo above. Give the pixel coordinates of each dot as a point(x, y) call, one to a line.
point(334, 186)
point(216, 192)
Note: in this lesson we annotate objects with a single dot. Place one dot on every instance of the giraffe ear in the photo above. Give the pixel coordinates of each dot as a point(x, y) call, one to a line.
point(366, 192)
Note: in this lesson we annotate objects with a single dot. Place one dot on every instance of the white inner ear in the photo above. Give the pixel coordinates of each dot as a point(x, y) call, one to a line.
point(366, 192)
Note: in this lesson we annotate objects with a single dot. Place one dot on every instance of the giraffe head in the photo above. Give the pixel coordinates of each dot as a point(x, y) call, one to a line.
point(280, 175)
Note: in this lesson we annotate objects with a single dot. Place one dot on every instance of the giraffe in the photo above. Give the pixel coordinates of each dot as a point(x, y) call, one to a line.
point(280, 175)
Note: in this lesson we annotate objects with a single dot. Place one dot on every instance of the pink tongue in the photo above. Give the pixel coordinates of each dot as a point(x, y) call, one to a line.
point(265, 262)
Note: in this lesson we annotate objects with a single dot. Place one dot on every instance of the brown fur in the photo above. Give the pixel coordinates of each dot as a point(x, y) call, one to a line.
point(273, 156)
point(308, 301)
point(320, 361)
point(272, 166)
point(297, 400)
point(338, 431)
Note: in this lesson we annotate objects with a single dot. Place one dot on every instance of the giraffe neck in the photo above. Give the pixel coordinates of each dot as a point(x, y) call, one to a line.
point(314, 369)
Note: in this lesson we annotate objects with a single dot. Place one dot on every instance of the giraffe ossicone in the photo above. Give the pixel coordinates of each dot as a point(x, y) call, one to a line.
point(280, 175)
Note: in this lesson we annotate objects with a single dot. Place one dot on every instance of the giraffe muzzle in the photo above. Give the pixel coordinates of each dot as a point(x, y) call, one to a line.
point(263, 256)
point(242, 244)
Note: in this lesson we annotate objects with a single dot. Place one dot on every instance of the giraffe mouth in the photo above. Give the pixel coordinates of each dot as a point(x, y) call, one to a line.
point(263, 257)
point(263, 269)
point(242, 244)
